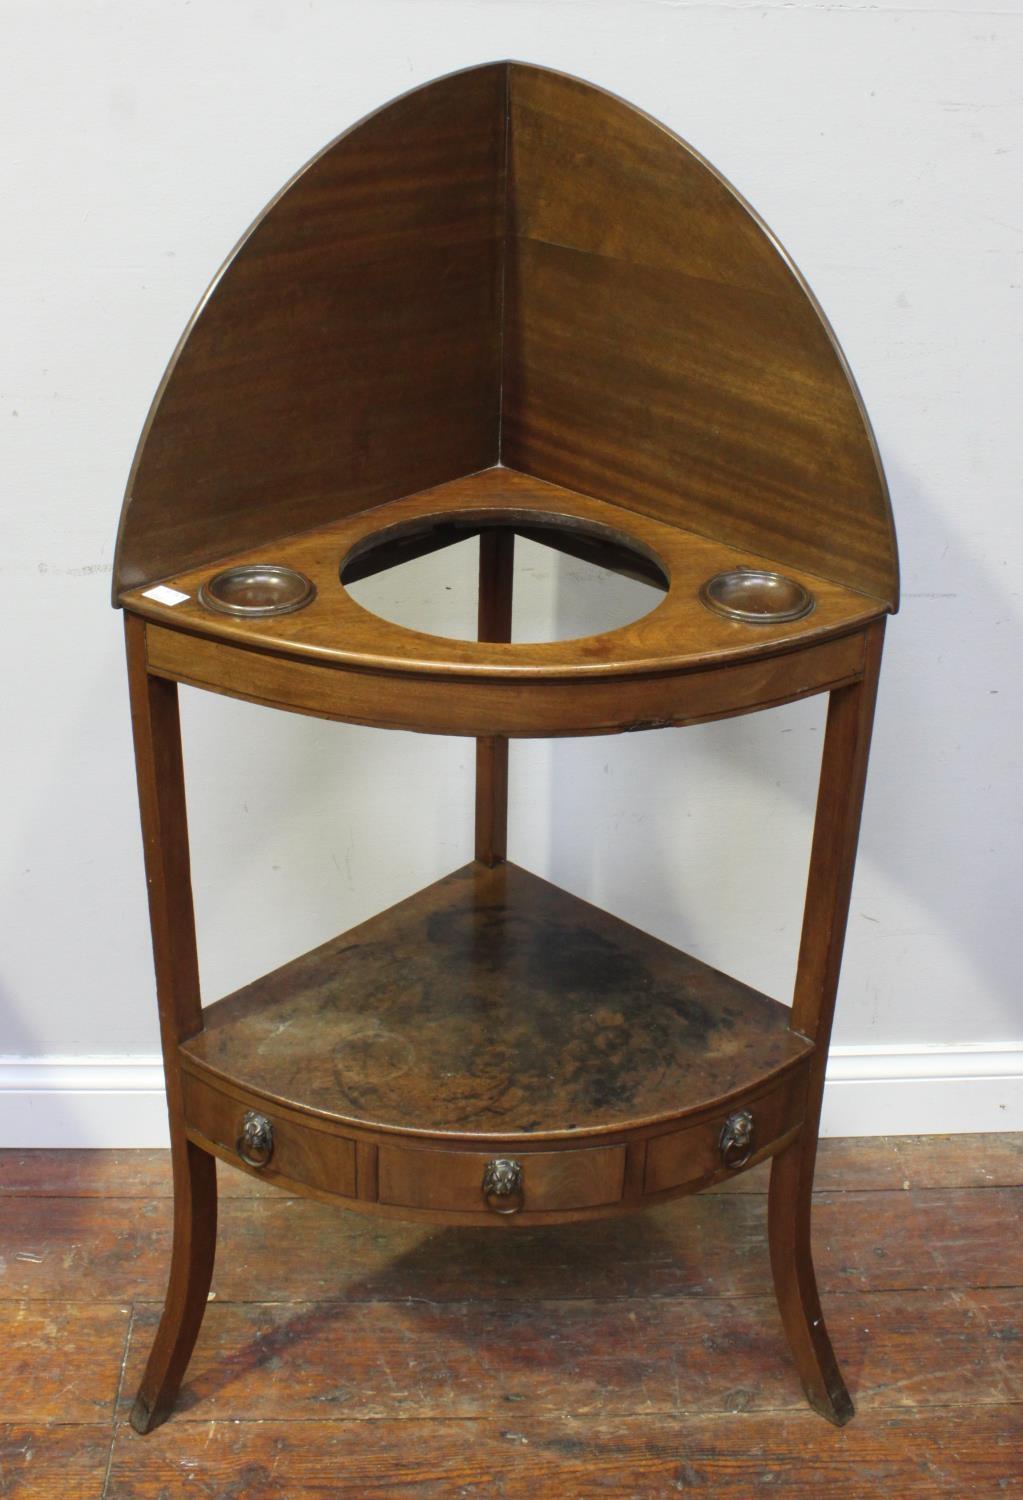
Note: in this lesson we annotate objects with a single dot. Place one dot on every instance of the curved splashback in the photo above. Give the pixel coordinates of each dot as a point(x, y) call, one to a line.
point(509, 265)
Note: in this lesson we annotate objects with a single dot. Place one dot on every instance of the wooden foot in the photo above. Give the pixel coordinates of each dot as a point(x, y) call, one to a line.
point(195, 1239)
point(796, 1284)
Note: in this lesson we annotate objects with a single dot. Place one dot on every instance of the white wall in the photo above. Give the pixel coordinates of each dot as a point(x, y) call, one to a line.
point(882, 144)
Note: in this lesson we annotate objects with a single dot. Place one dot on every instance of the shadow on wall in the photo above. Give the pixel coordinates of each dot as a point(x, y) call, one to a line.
point(673, 829)
point(618, 808)
point(309, 828)
point(69, 929)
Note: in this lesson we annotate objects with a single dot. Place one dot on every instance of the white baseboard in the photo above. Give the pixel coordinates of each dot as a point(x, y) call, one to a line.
point(941, 1090)
point(119, 1101)
point(82, 1101)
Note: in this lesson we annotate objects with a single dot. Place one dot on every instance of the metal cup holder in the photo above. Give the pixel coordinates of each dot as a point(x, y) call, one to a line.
point(756, 597)
point(257, 589)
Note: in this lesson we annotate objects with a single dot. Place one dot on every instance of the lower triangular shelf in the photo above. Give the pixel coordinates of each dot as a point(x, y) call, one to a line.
point(493, 1003)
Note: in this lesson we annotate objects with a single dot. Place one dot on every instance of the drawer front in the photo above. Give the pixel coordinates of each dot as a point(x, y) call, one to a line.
point(544, 1182)
point(297, 1153)
point(685, 1156)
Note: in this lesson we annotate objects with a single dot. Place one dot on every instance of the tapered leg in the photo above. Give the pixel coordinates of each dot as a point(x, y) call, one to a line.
point(795, 1285)
point(832, 859)
point(157, 732)
point(497, 558)
point(195, 1239)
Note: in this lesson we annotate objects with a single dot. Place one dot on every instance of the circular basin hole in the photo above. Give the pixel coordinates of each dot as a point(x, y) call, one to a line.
point(256, 589)
point(756, 597)
point(571, 578)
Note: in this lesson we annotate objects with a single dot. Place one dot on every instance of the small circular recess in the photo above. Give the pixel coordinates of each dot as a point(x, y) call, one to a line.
point(257, 589)
point(756, 597)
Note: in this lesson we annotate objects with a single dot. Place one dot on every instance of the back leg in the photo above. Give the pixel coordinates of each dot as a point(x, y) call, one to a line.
point(796, 1284)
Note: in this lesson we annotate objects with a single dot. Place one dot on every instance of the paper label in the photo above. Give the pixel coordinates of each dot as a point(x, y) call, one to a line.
point(163, 595)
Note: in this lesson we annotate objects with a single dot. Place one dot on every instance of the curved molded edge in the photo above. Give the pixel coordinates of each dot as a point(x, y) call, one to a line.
point(633, 1203)
point(534, 707)
point(752, 1091)
point(469, 275)
point(415, 1174)
point(678, 633)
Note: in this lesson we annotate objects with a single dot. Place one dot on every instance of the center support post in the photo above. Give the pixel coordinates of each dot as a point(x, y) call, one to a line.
point(497, 566)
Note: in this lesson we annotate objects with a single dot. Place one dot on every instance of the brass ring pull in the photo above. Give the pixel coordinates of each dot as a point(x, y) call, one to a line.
point(255, 1144)
point(502, 1185)
point(736, 1142)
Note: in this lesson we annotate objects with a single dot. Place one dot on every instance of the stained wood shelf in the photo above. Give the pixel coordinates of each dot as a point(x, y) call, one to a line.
point(494, 1004)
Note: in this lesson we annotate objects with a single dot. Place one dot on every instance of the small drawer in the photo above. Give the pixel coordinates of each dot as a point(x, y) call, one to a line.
point(533, 1182)
point(685, 1156)
point(296, 1153)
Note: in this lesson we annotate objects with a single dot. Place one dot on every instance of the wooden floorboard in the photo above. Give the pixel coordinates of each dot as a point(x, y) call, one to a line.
point(849, 1165)
point(299, 1362)
point(960, 1452)
point(60, 1361)
point(285, 1249)
point(50, 1461)
point(348, 1356)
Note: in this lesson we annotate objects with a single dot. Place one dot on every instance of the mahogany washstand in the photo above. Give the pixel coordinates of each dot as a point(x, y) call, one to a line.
point(507, 303)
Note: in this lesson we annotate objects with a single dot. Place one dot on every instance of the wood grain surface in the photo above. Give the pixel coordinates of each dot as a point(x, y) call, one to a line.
point(680, 632)
point(660, 351)
point(711, 1244)
point(492, 706)
point(510, 264)
point(372, 1361)
point(54, 1461)
point(952, 1453)
point(570, 1363)
point(60, 1359)
point(494, 1004)
point(348, 353)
